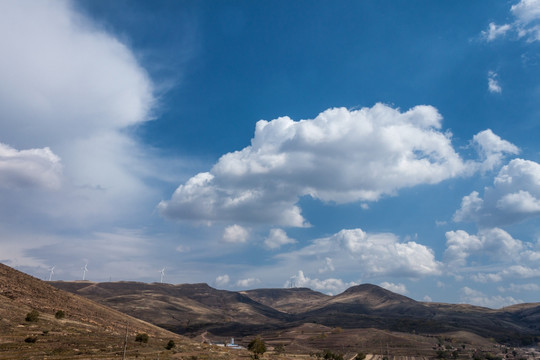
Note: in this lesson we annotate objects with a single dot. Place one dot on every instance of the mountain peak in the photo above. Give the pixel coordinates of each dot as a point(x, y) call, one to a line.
point(373, 295)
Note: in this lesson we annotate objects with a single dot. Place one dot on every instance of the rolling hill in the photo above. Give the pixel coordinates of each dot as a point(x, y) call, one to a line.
point(194, 308)
point(185, 308)
point(83, 329)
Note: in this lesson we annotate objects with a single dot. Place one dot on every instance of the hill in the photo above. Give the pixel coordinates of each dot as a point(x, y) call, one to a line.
point(291, 301)
point(185, 308)
point(195, 308)
point(87, 329)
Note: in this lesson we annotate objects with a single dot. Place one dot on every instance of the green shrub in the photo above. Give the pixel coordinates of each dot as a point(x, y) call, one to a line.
point(60, 314)
point(30, 339)
point(279, 348)
point(329, 355)
point(142, 338)
point(170, 345)
point(32, 316)
point(257, 346)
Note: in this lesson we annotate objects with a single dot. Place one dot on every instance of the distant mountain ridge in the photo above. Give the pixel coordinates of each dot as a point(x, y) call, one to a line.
point(193, 308)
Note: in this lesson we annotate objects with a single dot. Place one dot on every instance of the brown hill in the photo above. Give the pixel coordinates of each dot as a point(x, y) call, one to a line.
point(291, 301)
point(185, 308)
point(87, 329)
point(195, 308)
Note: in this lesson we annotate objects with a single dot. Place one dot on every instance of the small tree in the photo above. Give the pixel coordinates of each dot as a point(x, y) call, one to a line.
point(142, 338)
point(279, 348)
point(60, 314)
point(32, 316)
point(170, 345)
point(257, 346)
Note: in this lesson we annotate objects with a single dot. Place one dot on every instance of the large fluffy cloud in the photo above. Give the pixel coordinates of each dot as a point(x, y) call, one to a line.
point(30, 168)
point(340, 156)
point(367, 255)
point(63, 78)
point(69, 90)
point(514, 197)
point(509, 258)
point(495, 243)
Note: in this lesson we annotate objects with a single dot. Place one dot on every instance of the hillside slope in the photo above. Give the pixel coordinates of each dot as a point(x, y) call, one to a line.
point(291, 301)
point(185, 308)
point(88, 329)
point(195, 308)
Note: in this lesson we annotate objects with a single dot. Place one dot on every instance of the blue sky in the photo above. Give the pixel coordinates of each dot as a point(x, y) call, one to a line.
point(263, 144)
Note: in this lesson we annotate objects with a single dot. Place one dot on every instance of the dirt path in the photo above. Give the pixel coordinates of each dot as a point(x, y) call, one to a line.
point(204, 338)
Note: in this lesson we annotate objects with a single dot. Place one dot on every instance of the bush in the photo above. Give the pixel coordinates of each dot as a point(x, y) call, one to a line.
point(32, 316)
point(170, 345)
point(60, 314)
point(279, 348)
point(142, 338)
point(441, 354)
point(30, 339)
point(257, 346)
point(328, 355)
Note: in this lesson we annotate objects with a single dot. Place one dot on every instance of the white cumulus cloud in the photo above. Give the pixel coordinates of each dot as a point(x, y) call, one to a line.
point(397, 288)
point(249, 282)
point(526, 11)
point(222, 280)
point(340, 156)
point(475, 297)
point(514, 197)
point(495, 243)
point(331, 285)
point(29, 168)
point(371, 255)
point(63, 77)
point(492, 149)
point(72, 87)
point(277, 238)
point(235, 234)
point(328, 266)
point(511, 272)
point(509, 258)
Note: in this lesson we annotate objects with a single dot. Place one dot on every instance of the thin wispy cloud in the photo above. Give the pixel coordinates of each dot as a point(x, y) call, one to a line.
point(526, 14)
point(493, 83)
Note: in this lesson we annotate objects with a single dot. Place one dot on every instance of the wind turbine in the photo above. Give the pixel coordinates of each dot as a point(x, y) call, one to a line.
point(84, 269)
point(162, 271)
point(51, 272)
